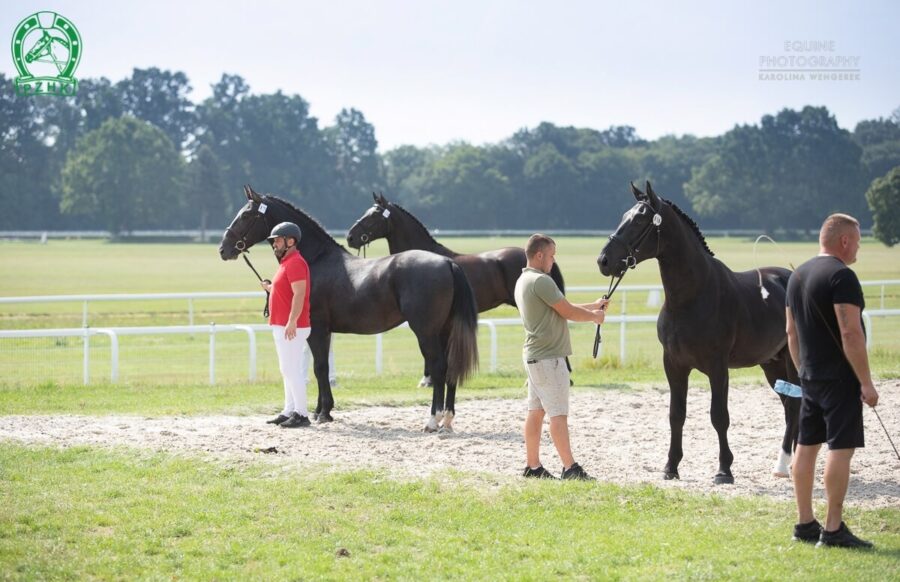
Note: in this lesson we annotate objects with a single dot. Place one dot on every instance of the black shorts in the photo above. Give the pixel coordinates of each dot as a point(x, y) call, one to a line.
point(831, 412)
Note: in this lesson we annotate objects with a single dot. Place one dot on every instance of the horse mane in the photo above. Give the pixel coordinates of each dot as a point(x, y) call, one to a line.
point(315, 224)
point(417, 221)
point(690, 222)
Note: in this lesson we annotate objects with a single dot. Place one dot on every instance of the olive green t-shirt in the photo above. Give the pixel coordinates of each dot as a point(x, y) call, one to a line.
point(546, 331)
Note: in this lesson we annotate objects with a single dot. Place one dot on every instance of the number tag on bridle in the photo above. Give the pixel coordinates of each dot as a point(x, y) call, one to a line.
point(657, 220)
point(386, 213)
point(262, 208)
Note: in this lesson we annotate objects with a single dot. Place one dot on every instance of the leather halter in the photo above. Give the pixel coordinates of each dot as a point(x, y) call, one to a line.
point(632, 251)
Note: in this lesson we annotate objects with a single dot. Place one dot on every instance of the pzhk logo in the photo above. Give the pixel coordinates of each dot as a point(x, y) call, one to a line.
point(46, 49)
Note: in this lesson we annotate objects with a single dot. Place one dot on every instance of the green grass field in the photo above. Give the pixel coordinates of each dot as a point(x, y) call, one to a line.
point(84, 513)
point(81, 514)
point(100, 267)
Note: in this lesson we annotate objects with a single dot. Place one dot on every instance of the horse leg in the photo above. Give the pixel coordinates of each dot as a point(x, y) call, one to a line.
point(449, 410)
point(437, 363)
point(718, 412)
point(783, 368)
point(319, 343)
point(677, 375)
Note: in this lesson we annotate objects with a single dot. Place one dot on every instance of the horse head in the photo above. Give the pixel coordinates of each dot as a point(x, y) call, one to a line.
point(632, 242)
point(251, 225)
point(372, 225)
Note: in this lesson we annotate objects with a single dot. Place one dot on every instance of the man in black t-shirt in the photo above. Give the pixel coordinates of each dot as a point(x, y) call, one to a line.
point(827, 342)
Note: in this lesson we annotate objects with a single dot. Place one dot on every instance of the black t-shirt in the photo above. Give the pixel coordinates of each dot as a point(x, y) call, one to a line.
point(813, 291)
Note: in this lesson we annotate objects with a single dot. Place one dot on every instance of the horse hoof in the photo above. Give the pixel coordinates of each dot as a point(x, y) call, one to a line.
point(429, 429)
point(445, 430)
point(670, 475)
point(781, 474)
point(314, 416)
point(322, 418)
point(723, 478)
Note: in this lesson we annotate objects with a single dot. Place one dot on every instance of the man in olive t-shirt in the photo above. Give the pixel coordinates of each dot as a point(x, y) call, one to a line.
point(545, 314)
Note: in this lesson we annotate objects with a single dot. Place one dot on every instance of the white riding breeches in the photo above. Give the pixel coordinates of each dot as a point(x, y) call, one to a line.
point(293, 365)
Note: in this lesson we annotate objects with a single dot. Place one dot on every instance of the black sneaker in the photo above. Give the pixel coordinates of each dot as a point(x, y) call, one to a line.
point(278, 419)
point(296, 421)
point(576, 472)
point(842, 538)
point(539, 473)
point(807, 532)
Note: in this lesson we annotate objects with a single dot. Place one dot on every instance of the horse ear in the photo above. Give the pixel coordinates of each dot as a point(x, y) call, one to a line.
point(638, 195)
point(382, 200)
point(651, 195)
point(247, 191)
point(252, 195)
point(374, 196)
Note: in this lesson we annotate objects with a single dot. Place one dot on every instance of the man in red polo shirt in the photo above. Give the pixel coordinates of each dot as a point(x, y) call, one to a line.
point(289, 318)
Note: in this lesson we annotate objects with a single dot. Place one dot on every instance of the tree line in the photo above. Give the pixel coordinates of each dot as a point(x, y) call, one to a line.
point(139, 154)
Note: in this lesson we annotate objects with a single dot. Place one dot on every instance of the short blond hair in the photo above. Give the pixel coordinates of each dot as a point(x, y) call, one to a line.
point(834, 227)
point(537, 243)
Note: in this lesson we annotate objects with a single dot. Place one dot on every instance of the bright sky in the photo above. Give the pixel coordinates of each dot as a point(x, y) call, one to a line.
point(478, 70)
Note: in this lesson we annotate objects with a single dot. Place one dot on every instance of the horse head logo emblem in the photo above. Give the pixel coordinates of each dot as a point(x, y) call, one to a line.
point(46, 50)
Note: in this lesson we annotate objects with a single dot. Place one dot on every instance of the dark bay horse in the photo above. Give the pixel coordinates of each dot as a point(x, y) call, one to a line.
point(713, 319)
point(492, 274)
point(368, 296)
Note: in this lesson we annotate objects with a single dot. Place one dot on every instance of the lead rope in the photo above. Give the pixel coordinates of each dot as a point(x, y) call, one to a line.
point(246, 260)
point(613, 283)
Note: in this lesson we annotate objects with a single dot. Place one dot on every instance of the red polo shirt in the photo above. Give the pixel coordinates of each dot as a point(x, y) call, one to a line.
point(292, 269)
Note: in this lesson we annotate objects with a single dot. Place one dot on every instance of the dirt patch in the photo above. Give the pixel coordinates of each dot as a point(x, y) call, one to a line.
point(618, 436)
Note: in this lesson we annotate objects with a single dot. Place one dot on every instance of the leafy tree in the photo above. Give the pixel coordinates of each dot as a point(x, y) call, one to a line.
point(269, 141)
point(125, 175)
point(788, 172)
point(205, 191)
point(884, 200)
point(161, 98)
point(354, 149)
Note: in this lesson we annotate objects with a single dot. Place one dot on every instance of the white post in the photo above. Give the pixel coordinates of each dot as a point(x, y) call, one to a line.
point(492, 328)
point(113, 353)
point(251, 338)
point(86, 368)
point(212, 353)
point(378, 354)
point(622, 329)
point(114, 357)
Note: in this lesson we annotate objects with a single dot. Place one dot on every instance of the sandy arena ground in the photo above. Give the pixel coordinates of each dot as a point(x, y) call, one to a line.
point(618, 436)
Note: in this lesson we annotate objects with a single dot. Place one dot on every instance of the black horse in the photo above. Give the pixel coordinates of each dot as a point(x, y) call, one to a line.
point(368, 296)
point(713, 319)
point(492, 274)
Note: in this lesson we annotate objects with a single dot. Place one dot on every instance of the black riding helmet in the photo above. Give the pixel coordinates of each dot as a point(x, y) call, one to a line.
point(286, 229)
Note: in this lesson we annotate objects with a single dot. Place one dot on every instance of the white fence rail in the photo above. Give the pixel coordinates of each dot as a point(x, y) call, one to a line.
point(655, 296)
point(113, 333)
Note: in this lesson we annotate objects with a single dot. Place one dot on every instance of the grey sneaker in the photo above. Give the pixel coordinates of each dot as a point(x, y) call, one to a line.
point(807, 532)
point(842, 538)
point(296, 421)
point(576, 472)
point(539, 473)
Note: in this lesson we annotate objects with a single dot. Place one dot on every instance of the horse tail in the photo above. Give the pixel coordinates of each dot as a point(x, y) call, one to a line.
point(557, 277)
point(462, 346)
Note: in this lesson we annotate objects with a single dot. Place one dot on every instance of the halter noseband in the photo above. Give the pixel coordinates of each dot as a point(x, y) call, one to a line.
point(365, 238)
point(631, 256)
point(241, 242)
